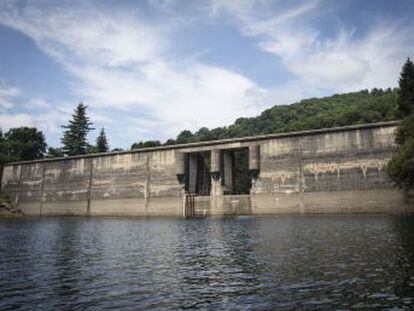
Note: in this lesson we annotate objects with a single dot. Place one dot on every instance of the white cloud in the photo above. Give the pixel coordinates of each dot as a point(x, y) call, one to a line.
point(75, 32)
point(120, 60)
point(345, 61)
point(7, 96)
point(8, 121)
point(124, 64)
point(48, 119)
point(16, 111)
point(38, 103)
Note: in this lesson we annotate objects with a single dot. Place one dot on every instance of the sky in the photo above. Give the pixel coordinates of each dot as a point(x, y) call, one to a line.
point(149, 69)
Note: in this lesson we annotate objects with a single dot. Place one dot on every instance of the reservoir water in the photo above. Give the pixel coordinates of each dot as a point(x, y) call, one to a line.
point(241, 263)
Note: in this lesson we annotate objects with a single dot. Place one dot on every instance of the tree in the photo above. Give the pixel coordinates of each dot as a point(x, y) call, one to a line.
point(146, 144)
point(405, 130)
point(204, 134)
point(54, 152)
point(23, 144)
point(377, 92)
point(401, 166)
point(102, 142)
point(4, 155)
point(74, 138)
point(170, 141)
point(91, 149)
point(405, 104)
point(185, 137)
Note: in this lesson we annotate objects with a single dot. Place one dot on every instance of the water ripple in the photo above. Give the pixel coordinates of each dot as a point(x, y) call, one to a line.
point(240, 263)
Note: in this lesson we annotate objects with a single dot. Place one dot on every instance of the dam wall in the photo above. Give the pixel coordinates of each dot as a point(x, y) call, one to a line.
point(338, 170)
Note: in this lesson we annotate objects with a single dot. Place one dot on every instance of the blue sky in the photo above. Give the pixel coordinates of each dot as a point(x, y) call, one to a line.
point(149, 69)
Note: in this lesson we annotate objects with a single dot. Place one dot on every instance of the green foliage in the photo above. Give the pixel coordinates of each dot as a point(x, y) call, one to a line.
point(337, 110)
point(401, 166)
point(91, 149)
point(4, 154)
point(406, 93)
point(146, 144)
point(405, 130)
point(22, 144)
point(170, 142)
point(54, 152)
point(74, 138)
point(204, 134)
point(185, 137)
point(102, 142)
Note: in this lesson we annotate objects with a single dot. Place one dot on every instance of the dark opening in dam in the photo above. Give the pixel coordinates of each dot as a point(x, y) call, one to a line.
point(232, 171)
point(241, 173)
point(198, 173)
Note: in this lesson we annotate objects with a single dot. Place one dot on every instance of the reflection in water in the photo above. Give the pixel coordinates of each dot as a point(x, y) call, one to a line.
point(284, 263)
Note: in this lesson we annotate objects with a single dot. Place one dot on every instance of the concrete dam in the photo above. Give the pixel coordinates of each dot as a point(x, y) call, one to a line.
point(336, 170)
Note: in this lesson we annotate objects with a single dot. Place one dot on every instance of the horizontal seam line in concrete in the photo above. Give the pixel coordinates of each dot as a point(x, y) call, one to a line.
point(216, 142)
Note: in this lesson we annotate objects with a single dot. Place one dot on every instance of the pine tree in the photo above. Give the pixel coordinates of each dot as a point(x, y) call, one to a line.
point(102, 142)
point(401, 166)
point(406, 93)
point(74, 138)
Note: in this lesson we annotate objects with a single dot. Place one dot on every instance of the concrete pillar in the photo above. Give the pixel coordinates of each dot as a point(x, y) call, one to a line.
point(180, 163)
point(215, 161)
point(254, 158)
point(192, 173)
point(216, 189)
point(228, 159)
point(180, 171)
point(254, 166)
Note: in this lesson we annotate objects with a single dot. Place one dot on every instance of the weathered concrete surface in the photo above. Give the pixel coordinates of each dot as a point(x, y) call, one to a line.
point(339, 170)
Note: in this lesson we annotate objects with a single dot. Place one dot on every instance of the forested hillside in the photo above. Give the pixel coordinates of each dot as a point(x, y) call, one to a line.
point(337, 110)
